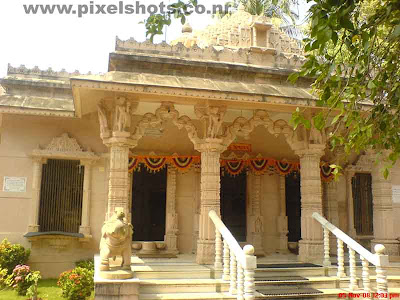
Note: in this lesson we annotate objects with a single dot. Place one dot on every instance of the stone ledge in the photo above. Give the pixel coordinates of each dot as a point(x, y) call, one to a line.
point(56, 239)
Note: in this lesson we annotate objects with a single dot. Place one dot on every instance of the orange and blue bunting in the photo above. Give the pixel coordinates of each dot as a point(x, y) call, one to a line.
point(184, 163)
point(326, 172)
point(233, 167)
point(259, 166)
point(133, 164)
point(154, 164)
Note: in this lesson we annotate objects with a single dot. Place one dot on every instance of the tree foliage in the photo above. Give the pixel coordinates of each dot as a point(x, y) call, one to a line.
point(353, 56)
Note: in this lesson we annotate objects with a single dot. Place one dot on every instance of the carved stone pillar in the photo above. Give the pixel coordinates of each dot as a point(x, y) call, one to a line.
point(36, 183)
point(332, 210)
point(351, 230)
point(86, 200)
point(256, 219)
point(311, 243)
point(118, 195)
point(211, 151)
point(171, 237)
point(197, 205)
point(383, 212)
point(115, 117)
point(282, 220)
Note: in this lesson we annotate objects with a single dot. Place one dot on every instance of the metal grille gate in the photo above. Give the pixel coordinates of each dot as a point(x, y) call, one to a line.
point(61, 196)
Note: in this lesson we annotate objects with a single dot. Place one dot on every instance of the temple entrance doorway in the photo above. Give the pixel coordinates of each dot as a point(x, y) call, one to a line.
point(293, 207)
point(149, 192)
point(363, 208)
point(233, 204)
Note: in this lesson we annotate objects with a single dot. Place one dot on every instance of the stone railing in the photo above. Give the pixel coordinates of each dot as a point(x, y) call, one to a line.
point(379, 260)
point(237, 265)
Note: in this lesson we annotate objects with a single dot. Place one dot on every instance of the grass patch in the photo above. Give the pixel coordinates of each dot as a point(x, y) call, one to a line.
point(48, 290)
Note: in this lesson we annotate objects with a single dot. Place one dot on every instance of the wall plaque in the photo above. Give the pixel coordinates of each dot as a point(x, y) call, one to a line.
point(396, 193)
point(14, 184)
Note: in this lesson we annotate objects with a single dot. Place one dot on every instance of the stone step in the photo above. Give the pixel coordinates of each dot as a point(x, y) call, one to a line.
point(166, 270)
point(165, 286)
point(322, 294)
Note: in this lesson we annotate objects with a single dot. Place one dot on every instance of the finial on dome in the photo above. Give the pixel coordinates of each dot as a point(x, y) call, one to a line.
point(241, 7)
point(187, 28)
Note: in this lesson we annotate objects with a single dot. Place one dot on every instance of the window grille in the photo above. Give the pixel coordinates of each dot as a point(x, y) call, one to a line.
point(61, 196)
point(363, 205)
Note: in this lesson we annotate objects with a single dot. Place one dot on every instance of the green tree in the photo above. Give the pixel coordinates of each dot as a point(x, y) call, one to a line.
point(353, 55)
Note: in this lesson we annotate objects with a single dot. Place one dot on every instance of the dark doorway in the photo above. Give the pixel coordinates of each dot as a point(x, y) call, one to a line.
point(363, 205)
point(233, 204)
point(148, 205)
point(293, 206)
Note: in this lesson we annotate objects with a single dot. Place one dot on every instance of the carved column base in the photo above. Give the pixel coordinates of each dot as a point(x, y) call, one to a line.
point(257, 240)
point(171, 240)
point(282, 222)
point(392, 246)
point(311, 251)
point(205, 252)
point(33, 228)
point(84, 230)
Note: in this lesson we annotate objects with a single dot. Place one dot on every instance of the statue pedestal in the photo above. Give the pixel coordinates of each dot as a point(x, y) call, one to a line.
point(115, 284)
point(116, 274)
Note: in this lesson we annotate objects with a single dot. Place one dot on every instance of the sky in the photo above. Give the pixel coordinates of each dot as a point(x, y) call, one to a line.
point(72, 43)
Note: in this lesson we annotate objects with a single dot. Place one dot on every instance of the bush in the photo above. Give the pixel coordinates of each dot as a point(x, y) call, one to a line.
point(12, 255)
point(34, 278)
point(76, 284)
point(86, 264)
point(23, 279)
point(4, 279)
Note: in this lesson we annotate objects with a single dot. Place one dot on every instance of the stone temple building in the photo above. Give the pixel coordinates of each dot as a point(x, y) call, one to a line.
point(171, 132)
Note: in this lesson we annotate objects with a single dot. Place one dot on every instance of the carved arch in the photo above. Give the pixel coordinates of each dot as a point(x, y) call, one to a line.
point(164, 113)
point(243, 127)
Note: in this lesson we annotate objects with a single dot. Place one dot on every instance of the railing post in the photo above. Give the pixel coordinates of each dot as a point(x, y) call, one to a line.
point(365, 275)
point(353, 274)
point(327, 261)
point(249, 273)
point(240, 282)
point(218, 250)
point(225, 275)
point(233, 274)
point(340, 259)
point(382, 262)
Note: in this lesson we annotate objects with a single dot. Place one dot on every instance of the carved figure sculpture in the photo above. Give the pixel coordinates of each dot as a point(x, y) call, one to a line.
point(102, 118)
point(258, 225)
point(123, 117)
point(116, 239)
point(215, 118)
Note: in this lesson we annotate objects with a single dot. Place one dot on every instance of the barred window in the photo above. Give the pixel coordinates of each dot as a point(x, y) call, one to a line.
point(61, 196)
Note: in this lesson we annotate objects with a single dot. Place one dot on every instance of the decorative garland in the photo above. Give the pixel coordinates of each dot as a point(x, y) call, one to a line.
point(157, 163)
point(258, 166)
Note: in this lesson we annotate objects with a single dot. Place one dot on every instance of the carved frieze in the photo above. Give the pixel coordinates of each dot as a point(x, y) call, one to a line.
point(64, 147)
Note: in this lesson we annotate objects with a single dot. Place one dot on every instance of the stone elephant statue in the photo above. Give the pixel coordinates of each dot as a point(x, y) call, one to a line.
point(116, 239)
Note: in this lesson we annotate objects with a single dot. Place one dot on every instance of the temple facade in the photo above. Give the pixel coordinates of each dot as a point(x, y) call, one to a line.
point(173, 131)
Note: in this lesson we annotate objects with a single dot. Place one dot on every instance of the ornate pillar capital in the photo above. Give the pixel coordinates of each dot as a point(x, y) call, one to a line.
point(211, 145)
point(311, 150)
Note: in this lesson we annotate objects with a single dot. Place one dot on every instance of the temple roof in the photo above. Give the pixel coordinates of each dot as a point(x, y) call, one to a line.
point(241, 30)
